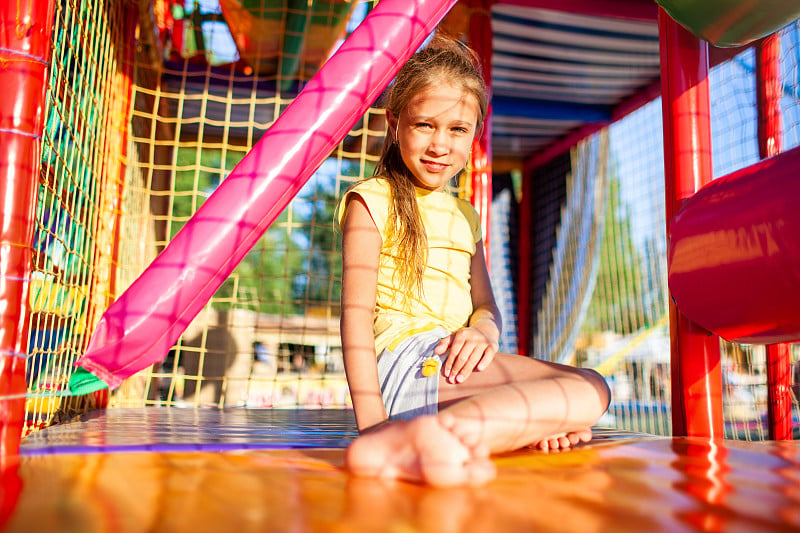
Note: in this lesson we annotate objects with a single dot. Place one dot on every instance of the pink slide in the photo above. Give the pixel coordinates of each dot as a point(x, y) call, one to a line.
point(140, 327)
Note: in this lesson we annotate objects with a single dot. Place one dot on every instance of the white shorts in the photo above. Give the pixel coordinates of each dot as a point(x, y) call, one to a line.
point(406, 392)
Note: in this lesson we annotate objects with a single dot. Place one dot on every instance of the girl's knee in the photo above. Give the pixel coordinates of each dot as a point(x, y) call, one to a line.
point(599, 382)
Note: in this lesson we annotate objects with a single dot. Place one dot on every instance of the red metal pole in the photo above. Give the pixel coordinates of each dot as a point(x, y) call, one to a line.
point(779, 392)
point(770, 143)
point(768, 96)
point(480, 38)
point(25, 28)
point(695, 352)
point(10, 489)
point(525, 265)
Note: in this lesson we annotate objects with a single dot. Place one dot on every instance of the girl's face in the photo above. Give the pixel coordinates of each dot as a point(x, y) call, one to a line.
point(435, 133)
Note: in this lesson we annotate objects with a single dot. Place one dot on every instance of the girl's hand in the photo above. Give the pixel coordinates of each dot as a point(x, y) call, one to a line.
point(470, 350)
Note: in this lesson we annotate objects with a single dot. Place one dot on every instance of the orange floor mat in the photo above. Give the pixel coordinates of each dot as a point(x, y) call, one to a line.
point(619, 482)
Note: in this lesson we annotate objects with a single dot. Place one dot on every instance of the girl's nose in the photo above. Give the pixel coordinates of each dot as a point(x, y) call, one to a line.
point(439, 142)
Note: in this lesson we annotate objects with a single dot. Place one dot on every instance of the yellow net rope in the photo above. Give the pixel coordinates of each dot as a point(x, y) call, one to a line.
point(269, 337)
point(76, 209)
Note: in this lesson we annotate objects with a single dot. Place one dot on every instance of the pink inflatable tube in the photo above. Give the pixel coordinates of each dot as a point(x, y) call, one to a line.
point(146, 321)
point(734, 253)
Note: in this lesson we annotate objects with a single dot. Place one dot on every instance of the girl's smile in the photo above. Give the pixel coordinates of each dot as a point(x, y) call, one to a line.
point(435, 133)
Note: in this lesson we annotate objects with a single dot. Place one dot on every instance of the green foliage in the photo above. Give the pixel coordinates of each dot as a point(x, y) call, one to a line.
point(323, 263)
point(296, 265)
point(269, 270)
point(618, 302)
point(197, 175)
point(321, 285)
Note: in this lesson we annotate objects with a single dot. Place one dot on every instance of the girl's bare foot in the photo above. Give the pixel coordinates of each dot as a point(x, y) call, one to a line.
point(435, 450)
point(564, 440)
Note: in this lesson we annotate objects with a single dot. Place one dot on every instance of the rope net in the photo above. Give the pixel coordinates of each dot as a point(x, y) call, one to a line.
point(618, 322)
point(269, 337)
point(76, 212)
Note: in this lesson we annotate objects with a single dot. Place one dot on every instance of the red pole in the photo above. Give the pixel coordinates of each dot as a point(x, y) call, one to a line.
point(10, 489)
point(770, 143)
point(25, 27)
point(525, 265)
point(480, 38)
point(768, 96)
point(779, 392)
point(695, 352)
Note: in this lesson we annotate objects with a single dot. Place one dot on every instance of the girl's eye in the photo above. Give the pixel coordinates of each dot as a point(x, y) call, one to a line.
point(460, 130)
point(423, 125)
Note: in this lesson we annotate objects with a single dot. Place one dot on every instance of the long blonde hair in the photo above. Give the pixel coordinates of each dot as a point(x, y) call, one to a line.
point(444, 59)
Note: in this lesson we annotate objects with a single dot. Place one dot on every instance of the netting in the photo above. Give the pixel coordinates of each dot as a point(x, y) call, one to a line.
point(573, 271)
point(502, 238)
point(624, 332)
point(269, 337)
point(76, 211)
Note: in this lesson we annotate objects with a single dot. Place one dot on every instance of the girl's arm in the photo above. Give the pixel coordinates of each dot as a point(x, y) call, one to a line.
point(474, 346)
point(361, 244)
point(485, 313)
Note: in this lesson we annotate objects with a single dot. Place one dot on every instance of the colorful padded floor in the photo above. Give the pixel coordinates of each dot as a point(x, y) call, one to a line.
point(154, 470)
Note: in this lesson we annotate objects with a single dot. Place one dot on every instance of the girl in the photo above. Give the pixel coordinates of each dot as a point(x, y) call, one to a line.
point(420, 328)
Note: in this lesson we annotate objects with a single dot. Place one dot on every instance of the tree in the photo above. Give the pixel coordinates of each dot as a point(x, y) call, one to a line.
point(618, 300)
point(266, 274)
point(321, 285)
point(297, 263)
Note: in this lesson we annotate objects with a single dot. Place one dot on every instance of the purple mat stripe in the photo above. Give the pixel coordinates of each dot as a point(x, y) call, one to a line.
point(160, 429)
point(166, 448)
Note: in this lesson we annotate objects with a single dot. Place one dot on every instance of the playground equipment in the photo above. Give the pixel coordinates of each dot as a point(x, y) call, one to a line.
point(145, 322)
point(731, 23)
point(59, 283)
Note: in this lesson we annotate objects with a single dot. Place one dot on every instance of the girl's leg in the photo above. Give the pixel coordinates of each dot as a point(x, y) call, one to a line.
point(516, 402)
point(520, 401)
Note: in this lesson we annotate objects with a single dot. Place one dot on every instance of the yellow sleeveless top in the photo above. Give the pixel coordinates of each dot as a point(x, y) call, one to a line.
point(453, 229)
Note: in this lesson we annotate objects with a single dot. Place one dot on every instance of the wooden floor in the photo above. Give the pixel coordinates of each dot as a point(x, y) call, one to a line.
point(175, 470)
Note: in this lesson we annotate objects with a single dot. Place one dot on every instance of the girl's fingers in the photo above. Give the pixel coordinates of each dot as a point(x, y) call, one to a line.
point(470, 364)
point(467, 353)
point(460, 360)
point(486, 359)
point(443, 345)
point(456, 347)
point(441, 349)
